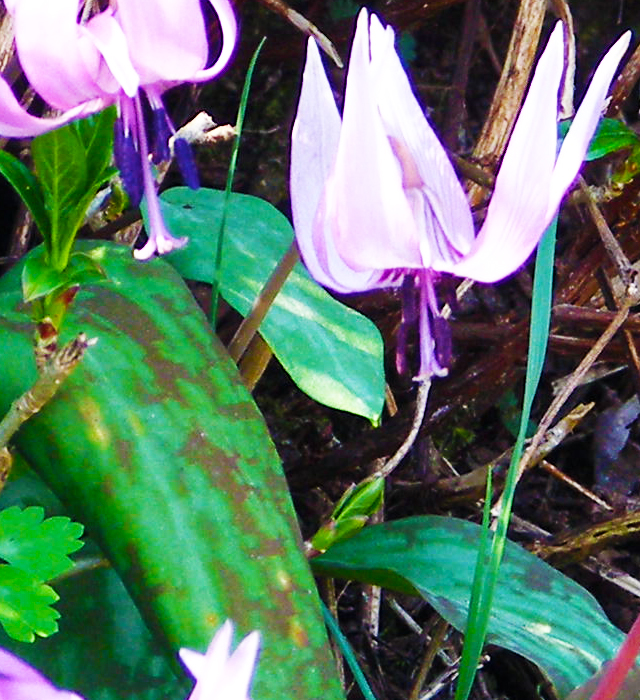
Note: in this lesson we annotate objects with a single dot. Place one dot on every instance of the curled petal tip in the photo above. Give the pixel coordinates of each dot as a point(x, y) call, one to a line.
point(159, 244)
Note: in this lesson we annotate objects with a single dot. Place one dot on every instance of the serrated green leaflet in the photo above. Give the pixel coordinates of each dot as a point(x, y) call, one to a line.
point(539, 613)
point(25, 605)
point(156, 446)
point(332, 353)
point(111, 658)
point(38, 547)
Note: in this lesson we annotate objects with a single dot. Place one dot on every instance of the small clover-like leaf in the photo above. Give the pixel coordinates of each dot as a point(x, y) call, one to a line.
point(38, 547)
point(25, 605)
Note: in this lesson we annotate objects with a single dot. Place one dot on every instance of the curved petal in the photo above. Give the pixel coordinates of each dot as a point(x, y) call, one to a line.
point(517, 213)
point(16, 122)
point(576, 142)
point(20, 681)
point(167, 39)
point(372, 221)
point(327, 265)
point(229, 30)
point(219, 674)
point(108, 37)
point(59, 64)
point(240, 667)
point(314, 144)
point(440, 205)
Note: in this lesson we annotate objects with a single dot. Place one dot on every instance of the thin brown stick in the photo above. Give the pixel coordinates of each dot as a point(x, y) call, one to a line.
point(249, 327)
point(421, 407)
point(569, 387)
point(511, 87)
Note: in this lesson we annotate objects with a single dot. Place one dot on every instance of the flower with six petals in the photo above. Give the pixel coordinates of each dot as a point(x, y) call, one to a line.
point(376, 202)
point(128, 55)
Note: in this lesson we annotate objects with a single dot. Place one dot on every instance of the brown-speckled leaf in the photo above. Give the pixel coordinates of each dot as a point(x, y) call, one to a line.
point(156, 446)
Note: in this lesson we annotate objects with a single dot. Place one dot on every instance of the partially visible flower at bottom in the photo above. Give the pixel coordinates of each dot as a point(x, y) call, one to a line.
point(220, 675)
point(20, 681)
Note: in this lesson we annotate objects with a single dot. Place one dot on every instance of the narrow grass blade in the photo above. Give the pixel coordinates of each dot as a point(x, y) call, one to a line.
point(348, 654)
point(215, 292)
point(487, 572)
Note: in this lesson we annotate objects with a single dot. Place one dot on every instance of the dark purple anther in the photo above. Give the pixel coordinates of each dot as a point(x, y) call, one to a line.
point(442, 338)
point(409, 316)
point(161, 134)
point(128, 163)
point(186, 163)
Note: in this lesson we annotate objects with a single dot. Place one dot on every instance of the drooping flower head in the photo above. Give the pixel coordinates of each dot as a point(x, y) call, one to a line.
point(375, 199)
point(19, 681)
point(127, 55)
point(220, 675)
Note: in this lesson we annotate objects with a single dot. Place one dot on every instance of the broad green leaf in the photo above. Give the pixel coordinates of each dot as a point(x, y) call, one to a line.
point(25, 605)
point(537, 612)
point(334, 354)
point(156, 446)
point(611, 136)
point(38, 547)
point(27, 186)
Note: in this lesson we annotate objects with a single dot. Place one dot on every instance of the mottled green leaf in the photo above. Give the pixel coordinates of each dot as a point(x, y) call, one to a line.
point(333, 353)
point(25, 605)
point(156, 446)
point(537, 611)
point(37, 546)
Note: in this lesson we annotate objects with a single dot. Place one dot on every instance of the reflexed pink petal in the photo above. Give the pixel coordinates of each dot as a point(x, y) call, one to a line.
point(15, 122)
point(109, 39)
point(373, 224)
point(314, 143)
point(167, 39)
point(440, 205)
point(59, 65)
point(229, 30)
point(517, 213)
point(576, 142)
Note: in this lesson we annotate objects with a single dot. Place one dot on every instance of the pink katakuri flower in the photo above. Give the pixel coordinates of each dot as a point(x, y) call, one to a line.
point(376, 202)
point(127, 55)
point(220, 675)
point(19, 681)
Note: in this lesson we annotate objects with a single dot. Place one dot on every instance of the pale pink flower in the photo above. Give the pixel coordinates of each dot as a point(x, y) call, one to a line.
point(128, 55)
point(220, 675)
point(376, 202)
point(19, 681)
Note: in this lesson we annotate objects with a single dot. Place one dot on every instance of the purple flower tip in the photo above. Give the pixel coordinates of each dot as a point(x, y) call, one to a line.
point(20, 681)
